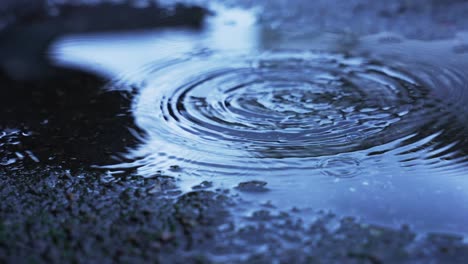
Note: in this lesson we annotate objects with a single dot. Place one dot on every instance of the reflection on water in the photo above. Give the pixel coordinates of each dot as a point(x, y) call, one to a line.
point(9, 140)
point(281, 110)
point(376, 129)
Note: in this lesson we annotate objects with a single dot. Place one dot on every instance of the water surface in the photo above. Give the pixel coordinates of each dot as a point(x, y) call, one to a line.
point(374, 127)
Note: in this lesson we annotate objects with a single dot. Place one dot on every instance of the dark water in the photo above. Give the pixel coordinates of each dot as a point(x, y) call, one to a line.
point(375, 128)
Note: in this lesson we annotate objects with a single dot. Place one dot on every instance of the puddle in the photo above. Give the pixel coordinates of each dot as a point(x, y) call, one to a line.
point(10, 147)
point(370, 127)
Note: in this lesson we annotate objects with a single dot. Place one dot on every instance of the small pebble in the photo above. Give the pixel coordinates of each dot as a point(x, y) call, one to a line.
point(252, 186)
point(203, 185)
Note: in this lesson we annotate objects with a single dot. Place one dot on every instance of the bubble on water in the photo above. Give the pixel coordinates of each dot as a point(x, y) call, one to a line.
point(340, 167)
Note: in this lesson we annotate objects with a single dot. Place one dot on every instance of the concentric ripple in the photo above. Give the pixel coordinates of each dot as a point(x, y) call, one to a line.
point(282, 110)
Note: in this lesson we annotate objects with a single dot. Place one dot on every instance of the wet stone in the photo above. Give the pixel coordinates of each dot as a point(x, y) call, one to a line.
point(203, 185)
point(261, 215)
point(175, 168)
point(252, 186)
point(462, 48)
point(161, 184)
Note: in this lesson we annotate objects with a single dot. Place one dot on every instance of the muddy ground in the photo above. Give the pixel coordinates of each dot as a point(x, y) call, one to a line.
point(56, 124)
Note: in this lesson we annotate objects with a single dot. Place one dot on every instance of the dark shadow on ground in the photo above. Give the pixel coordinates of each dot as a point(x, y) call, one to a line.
point(67, 116)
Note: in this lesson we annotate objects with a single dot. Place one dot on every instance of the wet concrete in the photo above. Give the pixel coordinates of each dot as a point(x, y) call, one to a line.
point(59, 210)
point(58, 216)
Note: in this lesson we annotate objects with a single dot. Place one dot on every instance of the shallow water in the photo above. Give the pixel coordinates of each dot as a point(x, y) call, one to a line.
point(373, 127)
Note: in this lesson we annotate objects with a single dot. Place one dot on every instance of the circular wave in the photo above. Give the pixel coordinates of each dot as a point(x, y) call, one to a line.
point(281, 110)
